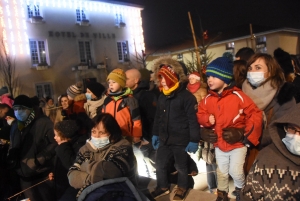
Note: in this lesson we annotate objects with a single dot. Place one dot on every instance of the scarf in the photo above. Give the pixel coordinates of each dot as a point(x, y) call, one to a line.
point(262, 95)
point(169, 91)
point(118, 95)
point(193, 87)
point(24, 124)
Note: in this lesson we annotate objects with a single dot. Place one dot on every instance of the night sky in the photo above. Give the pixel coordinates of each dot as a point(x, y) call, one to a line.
point(166, 21)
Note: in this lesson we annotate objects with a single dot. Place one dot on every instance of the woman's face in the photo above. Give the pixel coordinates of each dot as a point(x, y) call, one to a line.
point(259, 66)
point(292, 129)
point(64, 102)
point(90, 92)
point(99, 131)
point(50, 102)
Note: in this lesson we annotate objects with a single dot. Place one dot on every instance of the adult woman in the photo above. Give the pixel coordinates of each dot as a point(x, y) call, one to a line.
point(266, 86)
point(50, 109)
point(63, 103)
point(95, 97)
point(105, 155)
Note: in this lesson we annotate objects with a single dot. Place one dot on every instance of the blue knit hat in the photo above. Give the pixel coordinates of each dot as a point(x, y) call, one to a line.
point(222, 68)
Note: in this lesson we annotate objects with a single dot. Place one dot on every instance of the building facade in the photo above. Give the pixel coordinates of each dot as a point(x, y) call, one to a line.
point(56, 43)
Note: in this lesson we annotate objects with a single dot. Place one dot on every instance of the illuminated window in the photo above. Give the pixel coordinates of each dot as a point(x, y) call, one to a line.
point(80, 15)
point(38, 52)
point(230, 46)
point(85, 52)
point(123, 53)
point(43, 90)
point(261, 44)
point(33, 10)
point(179, 57)
point(119, 19)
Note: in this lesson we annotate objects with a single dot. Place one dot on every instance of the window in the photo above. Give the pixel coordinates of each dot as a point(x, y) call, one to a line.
point(230, 46)
point(85, 52)
point(38, 52)
point(261, 44)
point(118, 19)
point(80, 15)
point(179, 57)
point(123, 53)
point(33, 10)
point(44, 90)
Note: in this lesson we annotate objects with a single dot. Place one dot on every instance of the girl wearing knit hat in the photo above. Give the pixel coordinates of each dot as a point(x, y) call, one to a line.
point(95, 94)
point(121, 104)
point(231, 121)
point(175, 129)
point(197, 88)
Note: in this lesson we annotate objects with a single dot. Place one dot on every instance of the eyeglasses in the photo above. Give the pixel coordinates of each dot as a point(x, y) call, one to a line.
point(291, 130)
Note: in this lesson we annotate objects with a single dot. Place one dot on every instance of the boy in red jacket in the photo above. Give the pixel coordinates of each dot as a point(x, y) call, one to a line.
point(231, 121)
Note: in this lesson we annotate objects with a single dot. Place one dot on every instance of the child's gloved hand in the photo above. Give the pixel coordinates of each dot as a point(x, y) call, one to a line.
point(192, 147)
point(233, 135)
point(155, 142)
point(208, 135)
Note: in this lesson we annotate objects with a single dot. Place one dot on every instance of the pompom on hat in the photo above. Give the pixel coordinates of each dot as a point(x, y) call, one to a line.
point(68, 128)
point(195, 75)
point(119, 76)
point(222, 68)
point(24, 101)
point(96, 88)
point(169, 74)
point(75, 90)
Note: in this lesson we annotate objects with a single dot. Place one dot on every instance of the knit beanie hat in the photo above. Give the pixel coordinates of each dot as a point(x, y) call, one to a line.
point(222, 68)
point(3, 90)
point(23, 100)
point(75, 89)
point(96, 88)
point(195, 75)
point(68, 128)
point(119, 76)
point(284, 59)
point(170, 76)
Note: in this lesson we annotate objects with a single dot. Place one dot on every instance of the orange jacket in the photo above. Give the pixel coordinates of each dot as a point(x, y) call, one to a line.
point(126, 112)
point(231, 108)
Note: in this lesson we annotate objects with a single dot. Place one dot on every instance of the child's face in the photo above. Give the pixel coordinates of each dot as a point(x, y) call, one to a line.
point(57, 138)
point(163, 83)
point(114, 86)
point(259, 66)
point(193, 80)
point(216, 84)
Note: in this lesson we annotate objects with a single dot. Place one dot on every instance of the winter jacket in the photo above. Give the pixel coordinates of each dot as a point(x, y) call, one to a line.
point(275, 174)
point(76, 106)
point(94, 107)
point(175, 121)
point(147, 104)
point(93, 165)
point(126, 111)
point(33, 147)
point(231, 108)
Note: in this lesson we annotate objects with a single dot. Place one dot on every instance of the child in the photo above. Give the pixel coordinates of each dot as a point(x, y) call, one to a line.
point(231, 121)
point(175, 129)
point(194, 86)
point(121, 104)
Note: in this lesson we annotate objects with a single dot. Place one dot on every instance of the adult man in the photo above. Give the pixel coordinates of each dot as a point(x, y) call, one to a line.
point(138, 82)
point(31, 150)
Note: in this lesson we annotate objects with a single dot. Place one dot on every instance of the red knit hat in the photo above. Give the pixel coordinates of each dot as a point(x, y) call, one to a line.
point(195, 75)
point(170, 76)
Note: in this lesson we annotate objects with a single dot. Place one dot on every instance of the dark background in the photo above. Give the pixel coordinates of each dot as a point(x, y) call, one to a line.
point(166, 22)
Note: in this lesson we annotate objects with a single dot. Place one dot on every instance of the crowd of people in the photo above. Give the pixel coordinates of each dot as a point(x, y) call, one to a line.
point(244, 118)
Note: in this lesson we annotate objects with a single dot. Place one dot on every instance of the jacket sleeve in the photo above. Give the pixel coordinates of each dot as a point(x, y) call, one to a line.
point(190, 107)
point(254, 121)
point(135, 116)
point(203, 114)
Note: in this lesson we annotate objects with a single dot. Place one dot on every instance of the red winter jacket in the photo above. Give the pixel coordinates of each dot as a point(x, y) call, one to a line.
point(231, 108)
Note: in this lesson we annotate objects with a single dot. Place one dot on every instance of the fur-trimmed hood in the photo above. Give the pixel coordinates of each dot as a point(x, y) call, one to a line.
point(167, 60)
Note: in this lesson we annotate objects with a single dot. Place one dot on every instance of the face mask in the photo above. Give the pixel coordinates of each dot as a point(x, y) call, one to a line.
point(255, 78)
point(22, 115)
point(88, 96)
point(292, 143)
point(10, 121)
point(100, 142)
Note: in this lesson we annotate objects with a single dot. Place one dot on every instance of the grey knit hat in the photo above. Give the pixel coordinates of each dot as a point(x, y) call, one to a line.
point(75, 89)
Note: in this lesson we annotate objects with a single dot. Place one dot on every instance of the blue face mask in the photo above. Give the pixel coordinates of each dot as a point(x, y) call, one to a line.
point(100, 142)
point(22, 115)
point(88, 96)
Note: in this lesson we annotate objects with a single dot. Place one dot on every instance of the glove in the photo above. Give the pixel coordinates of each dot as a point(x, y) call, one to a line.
point(208, 135)
point(233, 135)
point(192, 147)
point(155, 142)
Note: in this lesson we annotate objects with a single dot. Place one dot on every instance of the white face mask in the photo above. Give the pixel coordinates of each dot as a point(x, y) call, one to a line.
point(292, 143)
point(256, 78)
point(100, 142)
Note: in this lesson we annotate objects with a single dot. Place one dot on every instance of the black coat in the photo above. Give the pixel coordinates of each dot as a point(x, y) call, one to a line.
point(175, 120)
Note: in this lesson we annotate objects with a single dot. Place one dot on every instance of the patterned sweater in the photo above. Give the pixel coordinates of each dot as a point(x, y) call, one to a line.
point(275, 174)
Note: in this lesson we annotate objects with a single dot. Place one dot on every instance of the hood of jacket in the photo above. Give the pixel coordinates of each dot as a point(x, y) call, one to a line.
point(176, 66)
point(277, 132)
point(80, 97)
